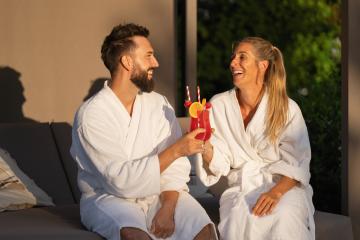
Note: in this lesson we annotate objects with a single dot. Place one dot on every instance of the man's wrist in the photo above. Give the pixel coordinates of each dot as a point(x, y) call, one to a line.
point(169, 200)
point(168, 205)
point(175, 151)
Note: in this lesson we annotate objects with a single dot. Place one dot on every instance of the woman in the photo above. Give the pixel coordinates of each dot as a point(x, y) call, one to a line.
point(261, 144)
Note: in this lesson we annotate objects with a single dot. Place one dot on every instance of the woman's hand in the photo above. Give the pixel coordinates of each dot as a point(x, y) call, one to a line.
point(266, 203)
point(207, 153)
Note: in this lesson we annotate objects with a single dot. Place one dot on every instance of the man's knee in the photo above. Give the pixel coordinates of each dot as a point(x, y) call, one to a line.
point(129, 233)
point(207, 233)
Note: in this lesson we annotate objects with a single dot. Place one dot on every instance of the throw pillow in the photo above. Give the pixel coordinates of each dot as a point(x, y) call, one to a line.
point(13, 193)
point(17, 188)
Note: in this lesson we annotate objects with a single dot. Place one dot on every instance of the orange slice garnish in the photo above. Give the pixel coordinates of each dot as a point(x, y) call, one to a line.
point(203, 102)
point(194, 108)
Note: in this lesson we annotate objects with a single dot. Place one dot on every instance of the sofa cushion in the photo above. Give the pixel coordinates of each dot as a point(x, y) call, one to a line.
point(33, 148)
point(55, 223)
point(330, 226)
point(62, 136)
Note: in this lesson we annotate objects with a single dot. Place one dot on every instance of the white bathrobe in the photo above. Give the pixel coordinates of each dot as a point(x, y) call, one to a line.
point(119, 174)
point(253, 165)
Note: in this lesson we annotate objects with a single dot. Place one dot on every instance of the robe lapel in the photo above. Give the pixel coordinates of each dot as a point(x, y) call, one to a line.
point(257, 125)
point(133, 127)
point(251, 171)
point(121, 113)
point(243, 138)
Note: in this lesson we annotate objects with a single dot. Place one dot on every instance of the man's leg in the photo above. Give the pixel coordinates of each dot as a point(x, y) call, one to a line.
point(207, 233)
point(130, 233)
point(191, 220)
point(106, 213)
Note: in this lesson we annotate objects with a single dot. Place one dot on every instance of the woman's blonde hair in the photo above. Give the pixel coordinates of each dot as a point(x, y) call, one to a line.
point(275, 82)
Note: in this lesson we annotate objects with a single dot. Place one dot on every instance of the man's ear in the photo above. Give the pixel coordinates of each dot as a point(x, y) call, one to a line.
point(264, 65)
point(127, 62)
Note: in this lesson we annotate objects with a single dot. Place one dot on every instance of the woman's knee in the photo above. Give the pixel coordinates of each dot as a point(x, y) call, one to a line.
point(291, 219)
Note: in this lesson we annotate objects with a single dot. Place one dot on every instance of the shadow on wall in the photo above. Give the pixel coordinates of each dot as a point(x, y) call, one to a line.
point(11, 97)
point(96, 86)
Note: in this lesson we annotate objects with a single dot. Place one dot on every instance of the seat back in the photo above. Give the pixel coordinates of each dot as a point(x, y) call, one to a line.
point(62, 137)
point(33, 148)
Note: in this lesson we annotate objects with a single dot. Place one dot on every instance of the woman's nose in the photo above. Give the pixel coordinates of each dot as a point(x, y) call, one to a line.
point(233, 62)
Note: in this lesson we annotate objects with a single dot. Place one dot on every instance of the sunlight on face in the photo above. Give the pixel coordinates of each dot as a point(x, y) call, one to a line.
point(144, 55)
point(244, 66)
point(144, 64)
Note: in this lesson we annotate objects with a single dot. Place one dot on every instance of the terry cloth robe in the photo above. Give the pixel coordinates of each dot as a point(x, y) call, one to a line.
point(118, 166)
point(253, 165)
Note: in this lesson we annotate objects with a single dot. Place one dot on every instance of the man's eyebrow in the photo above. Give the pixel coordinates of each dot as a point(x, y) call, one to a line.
point(150, 51)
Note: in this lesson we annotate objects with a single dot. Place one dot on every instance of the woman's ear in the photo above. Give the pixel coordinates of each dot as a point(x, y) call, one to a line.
point(264, 65)
point(127, 62)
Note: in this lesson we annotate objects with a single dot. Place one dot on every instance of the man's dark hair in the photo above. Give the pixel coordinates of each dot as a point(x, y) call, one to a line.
point(118, 42)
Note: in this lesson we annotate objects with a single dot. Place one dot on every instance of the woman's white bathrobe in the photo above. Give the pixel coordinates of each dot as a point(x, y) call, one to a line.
point(253, 165)
point(119, 174)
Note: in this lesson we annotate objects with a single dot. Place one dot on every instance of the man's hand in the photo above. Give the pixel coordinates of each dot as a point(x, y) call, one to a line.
point(185, 146)
point(189, 145)
point(266, 203)
point(163, 224)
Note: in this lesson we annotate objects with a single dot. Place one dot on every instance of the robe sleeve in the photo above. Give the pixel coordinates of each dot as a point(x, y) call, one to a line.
point(118, 175)
point(176, 175)
point(294, 149)
point(222, 157)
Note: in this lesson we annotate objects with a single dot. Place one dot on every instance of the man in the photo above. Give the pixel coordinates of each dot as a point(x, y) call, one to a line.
point(130, 153)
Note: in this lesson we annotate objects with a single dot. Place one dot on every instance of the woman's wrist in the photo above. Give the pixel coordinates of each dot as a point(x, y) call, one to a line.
point(278, 194)
point(208, 153)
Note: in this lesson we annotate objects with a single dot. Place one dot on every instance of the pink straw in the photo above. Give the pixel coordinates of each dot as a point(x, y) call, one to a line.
point(198, 93)
point(188, 93)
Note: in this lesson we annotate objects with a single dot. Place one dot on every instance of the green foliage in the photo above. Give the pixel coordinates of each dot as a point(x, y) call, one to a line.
point(307, 32)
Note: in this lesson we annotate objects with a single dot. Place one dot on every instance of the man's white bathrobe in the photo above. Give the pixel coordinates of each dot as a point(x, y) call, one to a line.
point(253, 165)
point(119, 174)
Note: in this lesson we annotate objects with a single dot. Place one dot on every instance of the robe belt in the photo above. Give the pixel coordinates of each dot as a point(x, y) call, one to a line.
point(250, 176)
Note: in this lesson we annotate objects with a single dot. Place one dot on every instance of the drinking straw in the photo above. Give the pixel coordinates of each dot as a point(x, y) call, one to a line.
point(198, 94)
point(188, 93)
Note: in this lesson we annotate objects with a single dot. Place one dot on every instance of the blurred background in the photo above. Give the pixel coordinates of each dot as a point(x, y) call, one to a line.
point(309, 35)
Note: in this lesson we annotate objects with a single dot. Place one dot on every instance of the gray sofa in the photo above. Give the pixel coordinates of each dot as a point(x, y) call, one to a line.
point(42, 152)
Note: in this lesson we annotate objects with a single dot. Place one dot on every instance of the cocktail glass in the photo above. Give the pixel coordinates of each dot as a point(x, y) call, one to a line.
point(202, 121)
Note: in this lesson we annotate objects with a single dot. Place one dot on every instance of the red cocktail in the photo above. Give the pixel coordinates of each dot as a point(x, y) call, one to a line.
point(202, 121)
point(199, 113)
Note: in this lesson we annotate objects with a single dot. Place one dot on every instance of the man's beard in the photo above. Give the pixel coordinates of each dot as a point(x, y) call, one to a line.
point(140, 79)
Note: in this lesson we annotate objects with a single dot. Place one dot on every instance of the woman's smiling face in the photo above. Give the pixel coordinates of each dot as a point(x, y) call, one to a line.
point(244, 66)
